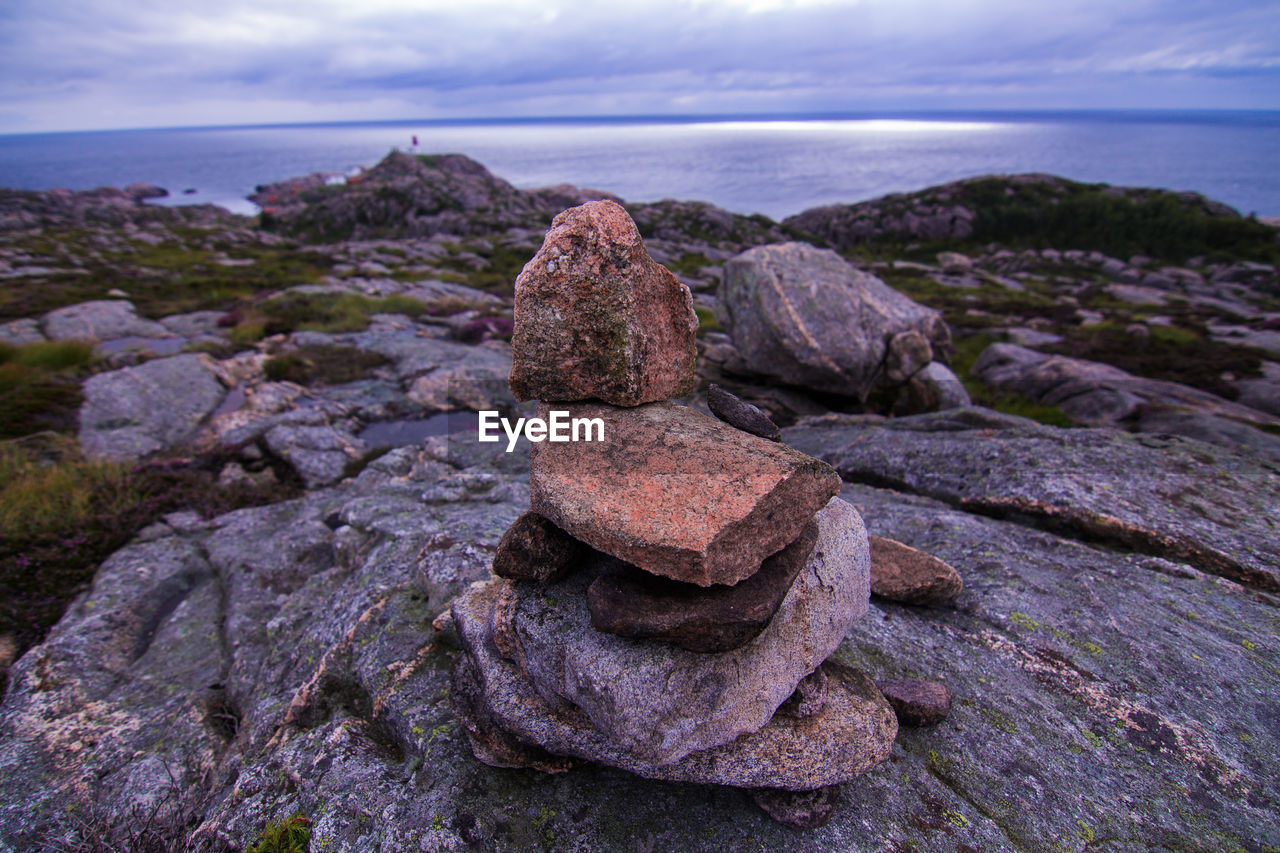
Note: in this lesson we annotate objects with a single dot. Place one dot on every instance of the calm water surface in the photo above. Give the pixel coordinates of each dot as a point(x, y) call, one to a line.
point(775, 167)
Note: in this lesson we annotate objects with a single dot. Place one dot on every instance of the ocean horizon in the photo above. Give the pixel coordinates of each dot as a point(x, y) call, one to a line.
point(777, 165)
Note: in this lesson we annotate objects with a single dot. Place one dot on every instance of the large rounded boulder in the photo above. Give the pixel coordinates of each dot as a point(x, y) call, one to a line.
point(805, 316)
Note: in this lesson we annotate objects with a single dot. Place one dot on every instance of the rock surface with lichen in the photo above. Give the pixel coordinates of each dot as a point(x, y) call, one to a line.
point(1102, 689)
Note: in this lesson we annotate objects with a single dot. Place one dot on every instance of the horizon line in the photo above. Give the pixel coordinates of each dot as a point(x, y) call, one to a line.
point(1153, 114)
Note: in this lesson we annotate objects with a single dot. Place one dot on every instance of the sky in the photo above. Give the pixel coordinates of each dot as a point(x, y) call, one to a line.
point(101, 64)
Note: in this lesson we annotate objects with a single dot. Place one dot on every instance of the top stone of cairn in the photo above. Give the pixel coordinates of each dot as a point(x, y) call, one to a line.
point(596, 318)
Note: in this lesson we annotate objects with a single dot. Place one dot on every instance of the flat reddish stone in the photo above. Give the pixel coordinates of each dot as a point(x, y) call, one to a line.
point(901, 573)
point(596, 318)
point(676, 492)
point(633, 603)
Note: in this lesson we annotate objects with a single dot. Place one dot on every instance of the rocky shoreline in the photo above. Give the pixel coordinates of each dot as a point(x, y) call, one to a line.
point(1089, 433)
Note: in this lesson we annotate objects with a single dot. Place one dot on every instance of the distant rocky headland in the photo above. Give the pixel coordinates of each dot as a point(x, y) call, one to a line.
point(242, 495)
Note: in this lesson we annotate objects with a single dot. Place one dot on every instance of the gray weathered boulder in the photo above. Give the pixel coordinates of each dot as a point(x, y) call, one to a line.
point(159, 404)
point(99, 320)
point(931, 388)
point(852, 733)
point(805, 316)
point(19, 333)
point(1096, 394)
point(660, 702)
point(318, 453)
point(1092, 393)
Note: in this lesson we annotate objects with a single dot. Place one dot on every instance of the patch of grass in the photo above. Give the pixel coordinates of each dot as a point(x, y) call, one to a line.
point(967, 351)
point(61, 515)
point(502, 266)
point(174, 277)
point(291, 835)
point(40, 386)
point(690, 263)
point(1176, 354)
point(1071, 215)
point(955, 303)
point(50, 355)
point(316, 312)
point(707, 320)
point(332, 365)
point(398, 304)
point(248, 333)
point(1017, 404)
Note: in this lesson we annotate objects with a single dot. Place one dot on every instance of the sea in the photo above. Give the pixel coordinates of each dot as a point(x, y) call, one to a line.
point(774, 165)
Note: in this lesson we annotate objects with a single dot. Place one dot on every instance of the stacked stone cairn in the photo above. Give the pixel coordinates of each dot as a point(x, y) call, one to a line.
point(668, 604)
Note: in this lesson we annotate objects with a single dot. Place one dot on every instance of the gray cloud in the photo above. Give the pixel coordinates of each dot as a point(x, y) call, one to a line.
point(93, 63)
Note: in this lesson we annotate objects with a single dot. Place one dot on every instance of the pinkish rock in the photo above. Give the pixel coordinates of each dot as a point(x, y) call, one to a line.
point(596, 318)
point(677, 492)
point(901, 573)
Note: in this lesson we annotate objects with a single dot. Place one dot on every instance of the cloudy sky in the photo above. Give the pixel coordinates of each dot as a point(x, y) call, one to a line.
point(88, 64)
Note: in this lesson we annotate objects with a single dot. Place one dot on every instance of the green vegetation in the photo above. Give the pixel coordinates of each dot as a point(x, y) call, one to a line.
point(332, 365)
point(707, 321)
point(501, 266)
point(967, 351)
point(1177, 354)
point(291, 835)
point(1069, 215)
point(174, 277)
point(317, 312)
point(993, 303)
point(51, 356)
point(61, 515)
point(40, 387)
point(690, 263)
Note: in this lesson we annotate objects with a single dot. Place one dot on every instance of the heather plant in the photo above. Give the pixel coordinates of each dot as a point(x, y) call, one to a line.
point(39, 385)
point(316, 312)
point(61, 515)
point(332, 365)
